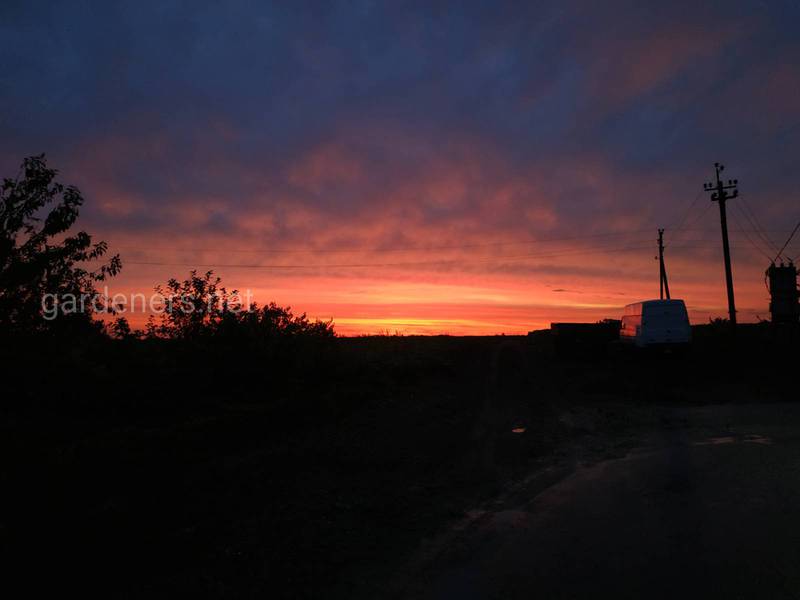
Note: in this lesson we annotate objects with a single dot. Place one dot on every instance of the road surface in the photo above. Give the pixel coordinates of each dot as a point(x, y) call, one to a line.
point(706, 509)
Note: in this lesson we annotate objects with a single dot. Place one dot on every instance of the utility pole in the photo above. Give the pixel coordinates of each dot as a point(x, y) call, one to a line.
point(719, 193)
point(664, 285)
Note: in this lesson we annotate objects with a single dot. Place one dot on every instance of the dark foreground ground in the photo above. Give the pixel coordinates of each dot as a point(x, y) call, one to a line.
point(402, 467)
point(705, 507)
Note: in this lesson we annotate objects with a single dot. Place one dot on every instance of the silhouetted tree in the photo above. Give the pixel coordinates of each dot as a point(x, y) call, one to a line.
point(192, 307)
point(199, 307)
point(36, 259)
point(275, 321)
point(120, 328)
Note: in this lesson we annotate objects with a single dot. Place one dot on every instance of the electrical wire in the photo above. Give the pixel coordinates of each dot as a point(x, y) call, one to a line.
point(749, 239)
point(390, 264)
point(791, 235)
point(682, 222)
point(453, 262)
point(741, 230)
point(761, 231)
point(499, 244)
point(403, 249)
point(744, 208)
point(694, 221)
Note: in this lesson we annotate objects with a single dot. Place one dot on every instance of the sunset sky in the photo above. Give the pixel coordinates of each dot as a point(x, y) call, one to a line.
point(463, 168)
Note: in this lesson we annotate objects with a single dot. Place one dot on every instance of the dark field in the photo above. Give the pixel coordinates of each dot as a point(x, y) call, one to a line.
point(149, 469)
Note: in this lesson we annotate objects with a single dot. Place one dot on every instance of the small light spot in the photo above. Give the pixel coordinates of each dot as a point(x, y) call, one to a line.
point(518, 430)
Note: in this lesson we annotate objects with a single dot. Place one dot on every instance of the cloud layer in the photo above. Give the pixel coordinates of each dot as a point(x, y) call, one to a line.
point(483, 168)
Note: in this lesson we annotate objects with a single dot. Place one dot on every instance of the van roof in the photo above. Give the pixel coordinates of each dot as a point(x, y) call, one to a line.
point(659, 302)
point(652, 302)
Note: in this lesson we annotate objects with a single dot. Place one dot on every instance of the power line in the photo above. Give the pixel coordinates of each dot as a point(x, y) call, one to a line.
point(791, 235)
point(752, 243)
point(427, 248)
point(693, 221)
point(401, 249)
point(760, 228)
point(218, 251)
point(742, 230)
point(675, 231)
point(391, 264)
point(374, 250)
point(685, 216)
point(750, 218)
point(404, 263)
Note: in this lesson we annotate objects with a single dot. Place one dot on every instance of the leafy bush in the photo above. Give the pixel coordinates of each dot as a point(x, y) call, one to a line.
point(199, 307)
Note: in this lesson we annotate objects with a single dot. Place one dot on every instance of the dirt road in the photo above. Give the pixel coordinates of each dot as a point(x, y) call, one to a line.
point(706, 507)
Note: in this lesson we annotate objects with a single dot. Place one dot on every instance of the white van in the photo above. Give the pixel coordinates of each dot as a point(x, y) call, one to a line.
point(656, 323)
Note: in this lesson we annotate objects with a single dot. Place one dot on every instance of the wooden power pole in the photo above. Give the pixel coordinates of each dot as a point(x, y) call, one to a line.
point(719, 193)
point(663, 284)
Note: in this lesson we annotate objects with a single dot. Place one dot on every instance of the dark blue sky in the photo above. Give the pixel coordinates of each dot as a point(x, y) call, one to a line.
point(361, 125)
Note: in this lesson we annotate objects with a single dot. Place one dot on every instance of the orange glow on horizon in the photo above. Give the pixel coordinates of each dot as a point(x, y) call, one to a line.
point(485, 303)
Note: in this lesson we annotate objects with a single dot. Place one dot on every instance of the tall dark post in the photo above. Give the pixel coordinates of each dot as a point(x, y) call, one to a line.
point(719, 193)
point(664, 284)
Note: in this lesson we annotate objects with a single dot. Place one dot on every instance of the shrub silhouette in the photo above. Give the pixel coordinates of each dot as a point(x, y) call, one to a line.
point(199, 307)
point(34, 263)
